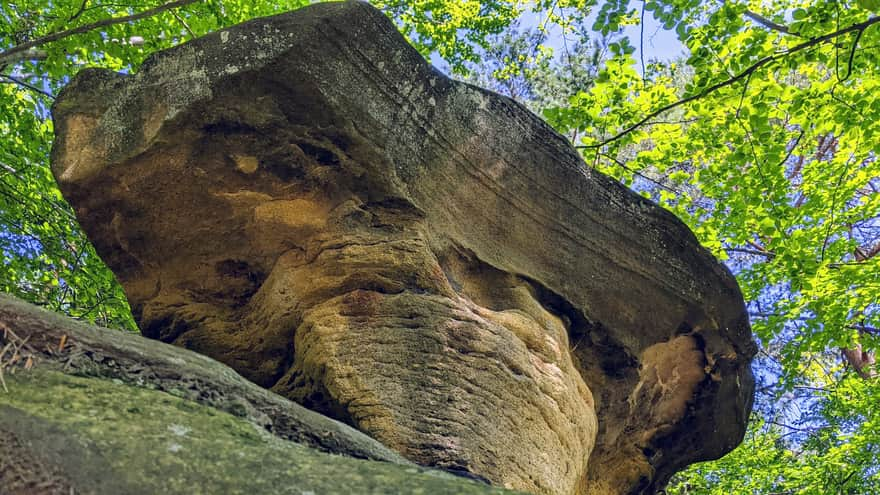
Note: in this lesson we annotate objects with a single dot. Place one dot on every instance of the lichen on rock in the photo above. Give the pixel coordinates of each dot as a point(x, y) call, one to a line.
point(305, 199)
point(62, 434)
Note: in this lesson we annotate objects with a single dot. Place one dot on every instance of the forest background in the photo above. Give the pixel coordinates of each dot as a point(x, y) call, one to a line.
point(762, 135)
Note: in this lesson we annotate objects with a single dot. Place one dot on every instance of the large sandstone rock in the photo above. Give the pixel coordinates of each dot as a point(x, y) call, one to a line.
point(303, 198)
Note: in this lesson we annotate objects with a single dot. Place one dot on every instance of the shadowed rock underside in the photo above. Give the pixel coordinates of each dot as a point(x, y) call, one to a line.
point(305, 199)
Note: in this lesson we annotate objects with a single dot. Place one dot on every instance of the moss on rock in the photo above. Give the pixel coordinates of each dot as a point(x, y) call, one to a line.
point(62, 432)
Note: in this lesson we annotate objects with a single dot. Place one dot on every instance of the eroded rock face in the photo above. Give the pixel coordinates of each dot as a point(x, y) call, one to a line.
point(303, 198)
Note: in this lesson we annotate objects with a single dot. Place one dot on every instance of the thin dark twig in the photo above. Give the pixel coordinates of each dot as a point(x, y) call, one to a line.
point(861, 328)
point(26, 85)
point(742, 95)
point(672, 122)
point(55, 204)
point(852, 54)
point(642, 42)
point(836, 98)
point(768, 23)
point(635, 172)
point(843, 174)
point(183, 22)
point(797, 141)
point(82, 8)
point(803, 430)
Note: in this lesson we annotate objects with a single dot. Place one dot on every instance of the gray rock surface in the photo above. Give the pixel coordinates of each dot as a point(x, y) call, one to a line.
point(305, 199)
point(55, 343)
point(88, 410)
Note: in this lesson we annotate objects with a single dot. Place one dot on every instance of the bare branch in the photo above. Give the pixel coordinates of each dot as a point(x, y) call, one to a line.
point(183, 22)
point(861, 360)
point(867, 253)
point(866, 329)
point(16, 50)
point(804, 430)
point(635, 172)
point(29, 54)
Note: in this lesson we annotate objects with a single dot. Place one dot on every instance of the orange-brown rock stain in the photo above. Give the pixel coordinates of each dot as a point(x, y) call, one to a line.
point(418, 257)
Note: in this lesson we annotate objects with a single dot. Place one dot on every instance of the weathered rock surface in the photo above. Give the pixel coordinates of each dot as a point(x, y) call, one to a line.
point(93, 411)
point(54, 343)
point(303, 198)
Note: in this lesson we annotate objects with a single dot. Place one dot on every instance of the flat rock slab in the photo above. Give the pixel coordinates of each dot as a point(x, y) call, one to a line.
point(93, 411)
point(305, 199)
point(63, 434)
point(31, 337)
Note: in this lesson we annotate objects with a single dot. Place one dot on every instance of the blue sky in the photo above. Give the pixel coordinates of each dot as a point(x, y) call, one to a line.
point(659, 43)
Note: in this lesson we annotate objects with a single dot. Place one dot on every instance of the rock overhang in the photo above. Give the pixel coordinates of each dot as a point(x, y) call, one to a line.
point(286, 190)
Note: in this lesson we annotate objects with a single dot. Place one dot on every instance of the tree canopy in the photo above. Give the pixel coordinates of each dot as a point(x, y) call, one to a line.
point(763, 138)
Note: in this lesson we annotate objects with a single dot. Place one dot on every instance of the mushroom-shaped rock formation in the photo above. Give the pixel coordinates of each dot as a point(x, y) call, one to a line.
point(305, 199)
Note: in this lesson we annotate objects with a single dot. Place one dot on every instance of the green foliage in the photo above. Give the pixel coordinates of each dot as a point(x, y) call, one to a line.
point(454, 29)
point(770, 158)
point(769, 153)
point(764, 140)
point(519, 65)
point(835, 452)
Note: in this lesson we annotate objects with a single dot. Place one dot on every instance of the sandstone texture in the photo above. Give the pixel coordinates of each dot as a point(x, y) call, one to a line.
point(91, 411)
point(306, 200)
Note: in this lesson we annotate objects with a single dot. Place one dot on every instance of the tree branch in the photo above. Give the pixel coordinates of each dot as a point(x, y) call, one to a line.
point(795, 428)
point(849, 63)
point(11, 53)
point(642, 43)
point(768, 23)
point(755, 252)
point(635, 172)
point(797, 141)
point(58, 207)
point(29, 54)
point(858, 27)
point(860, 328)
point(29, 86)
point(82, 8)
point(183, 22)
point(871, 252)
